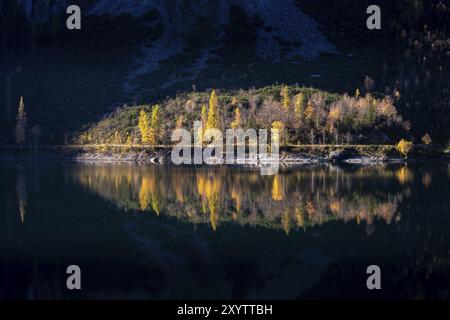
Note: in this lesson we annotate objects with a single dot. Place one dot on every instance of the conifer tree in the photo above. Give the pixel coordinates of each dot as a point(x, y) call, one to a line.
point(299, 108)
point(204, 115)
point(129, 141)
point(144, 126)
point(237, 119)
point(21, 123)
point(310, 112)
point(286, 100)
point(278, 125)
point(213, 113)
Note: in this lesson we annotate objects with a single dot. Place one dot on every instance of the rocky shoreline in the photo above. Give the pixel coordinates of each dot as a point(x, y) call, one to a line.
point(163, 157)
point(304, 155)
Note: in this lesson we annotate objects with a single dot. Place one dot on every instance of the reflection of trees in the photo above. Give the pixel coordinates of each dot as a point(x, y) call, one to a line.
point(21, 195)
point(287, 201)
point(404, 175)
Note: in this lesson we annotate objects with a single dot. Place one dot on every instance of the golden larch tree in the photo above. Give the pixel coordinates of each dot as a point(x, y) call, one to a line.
point(204, 115)
point(310, 111)
point(278, 126)
point(213, 113)
point(237, 119)
point(144, 126)
point(285, 98)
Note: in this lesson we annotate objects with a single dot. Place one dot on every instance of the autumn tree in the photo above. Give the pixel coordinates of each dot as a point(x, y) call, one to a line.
point(204, 115)
point(334, 119)
point(213, 113)
point(310, 112)
point(237, 119)
point(278, 125)
point(129, 141)
point(21, 123)
point(144, 126)
point(299, 108)
point(426, 139)
point(404, 147)
point(285, 98)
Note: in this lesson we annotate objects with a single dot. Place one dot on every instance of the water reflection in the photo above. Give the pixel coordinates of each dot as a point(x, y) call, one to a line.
point(290, 200)
point(21, 194)
point(191, 233)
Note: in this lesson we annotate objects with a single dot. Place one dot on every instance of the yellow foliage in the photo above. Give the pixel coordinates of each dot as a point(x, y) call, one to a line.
point(404, 175)
point(278, 126)
point(277, 189)
point(213, 113)
point(144, 193)
point(204, 115)
point(335, 114)
point(237, 119)
point(144, 126)
point(310, 111)
point(404, 147)
point(285, 99)
point(299, 105)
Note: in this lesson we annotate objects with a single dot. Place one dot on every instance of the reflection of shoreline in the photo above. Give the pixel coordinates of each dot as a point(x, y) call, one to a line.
point(293, 200)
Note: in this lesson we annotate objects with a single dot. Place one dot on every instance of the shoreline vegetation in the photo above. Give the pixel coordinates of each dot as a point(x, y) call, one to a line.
point(289, 155)
point(314, 126)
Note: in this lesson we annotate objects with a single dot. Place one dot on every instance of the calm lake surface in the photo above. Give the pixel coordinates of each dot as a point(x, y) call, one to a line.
point(158, 232)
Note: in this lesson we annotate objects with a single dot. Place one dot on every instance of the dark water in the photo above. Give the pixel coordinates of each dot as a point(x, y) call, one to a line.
point(167, 232)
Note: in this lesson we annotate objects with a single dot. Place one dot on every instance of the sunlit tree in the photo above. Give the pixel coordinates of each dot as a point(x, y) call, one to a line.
point(144, 126)
point(404, 147)
point(285, 98)
point(310, 112)
point(299, 108)
point(21, 122)
point(278, 126)
point(213, 113)
point(204, 115)
point(237, 119)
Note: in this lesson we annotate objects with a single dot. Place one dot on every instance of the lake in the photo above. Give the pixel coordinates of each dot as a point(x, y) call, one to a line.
point(165, 232)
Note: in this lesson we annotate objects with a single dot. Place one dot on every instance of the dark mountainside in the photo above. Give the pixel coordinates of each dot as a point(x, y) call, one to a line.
point(71, 79)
